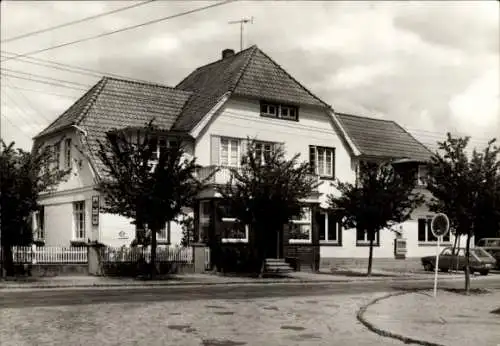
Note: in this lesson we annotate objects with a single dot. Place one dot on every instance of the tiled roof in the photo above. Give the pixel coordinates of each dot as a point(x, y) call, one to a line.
point(263, 78)
point(208, 84)
point(249, 73)
point(75, 112)
point(382, 138)
point(116, 103)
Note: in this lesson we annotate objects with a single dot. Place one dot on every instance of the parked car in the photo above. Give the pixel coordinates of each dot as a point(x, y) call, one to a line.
point(492, 246)
point(479, 260)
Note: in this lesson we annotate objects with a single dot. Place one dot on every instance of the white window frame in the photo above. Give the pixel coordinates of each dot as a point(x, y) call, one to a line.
point(422, 173)
point(337, 230)
point(67, 153)
point(365, 241)
point(306, 219)
point(278, 114)
point(204, 220)
point(77, 212)
point(262, 153)
point(288, 116)
point(56, 152)
point(164, 232)
point(39, 225)
point(235, 240)
point(230, 142)
point(324, 174)
point(428, 233)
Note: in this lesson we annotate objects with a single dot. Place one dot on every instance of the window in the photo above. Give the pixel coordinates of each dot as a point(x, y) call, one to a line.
point(229, 152)
point(263, 150)
point(57, 155)
point(300, 227)
point(79, 219)
point(67, 153)
point(422, 174)
point(233, 231)
point(204, 224)
point(425, 233)
point(328, 228)
point(163, 235)
point(322, 161)
point(39, 224)
point(279, 111)
point(362, 238)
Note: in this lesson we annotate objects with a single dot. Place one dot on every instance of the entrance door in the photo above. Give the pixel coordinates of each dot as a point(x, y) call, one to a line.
point(275, 249)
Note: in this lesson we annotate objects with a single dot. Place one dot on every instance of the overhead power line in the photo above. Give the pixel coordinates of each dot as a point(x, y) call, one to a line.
point(44, 77)
point(28, 101)
point(40, 91)
point(76, 21)
point(199, 9)
point(23, 132)
point(69, 68)
point(43, 82)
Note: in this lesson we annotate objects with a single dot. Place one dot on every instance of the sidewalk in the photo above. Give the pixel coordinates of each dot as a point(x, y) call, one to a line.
point(197, 280)
point(451, 319)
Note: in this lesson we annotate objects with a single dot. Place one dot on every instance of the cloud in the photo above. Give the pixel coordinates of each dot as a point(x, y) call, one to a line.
point(466, 25)
point(426, 65)
point(478, 105)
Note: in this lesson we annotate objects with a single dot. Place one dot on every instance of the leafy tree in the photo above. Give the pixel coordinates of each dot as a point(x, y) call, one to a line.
point(23, 176)
point(382, 197)
point(266, 194)
point(148, 188)
point(187, 224)
point(466, 189)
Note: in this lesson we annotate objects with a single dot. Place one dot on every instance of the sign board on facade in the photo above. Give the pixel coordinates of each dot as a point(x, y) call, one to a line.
point(95, 210)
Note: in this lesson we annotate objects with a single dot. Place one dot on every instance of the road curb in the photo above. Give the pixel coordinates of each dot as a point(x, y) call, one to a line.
point(234, 283)
point(177, 284)
point(385, 333)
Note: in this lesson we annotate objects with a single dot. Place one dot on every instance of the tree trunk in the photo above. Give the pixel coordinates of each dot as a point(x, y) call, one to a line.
point(370, 255)
point(153, 253)
point(7, 260)
point(453, 252)
point(467, 265)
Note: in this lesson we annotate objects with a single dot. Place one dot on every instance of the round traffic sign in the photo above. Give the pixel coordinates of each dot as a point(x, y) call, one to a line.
point(440, 225)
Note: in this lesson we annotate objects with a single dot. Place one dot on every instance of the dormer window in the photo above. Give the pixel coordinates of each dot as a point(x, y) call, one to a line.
point(280, 111)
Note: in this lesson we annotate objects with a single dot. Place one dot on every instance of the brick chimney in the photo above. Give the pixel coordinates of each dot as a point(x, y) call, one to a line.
point(226, 53)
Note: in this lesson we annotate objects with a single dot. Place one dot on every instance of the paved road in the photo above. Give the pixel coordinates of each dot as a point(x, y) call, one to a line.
point(53, 297)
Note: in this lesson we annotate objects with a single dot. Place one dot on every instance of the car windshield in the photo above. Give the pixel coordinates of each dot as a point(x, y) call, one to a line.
point(480, 253)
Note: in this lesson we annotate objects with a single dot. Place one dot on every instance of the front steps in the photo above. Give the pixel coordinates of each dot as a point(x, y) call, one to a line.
point(277, 266)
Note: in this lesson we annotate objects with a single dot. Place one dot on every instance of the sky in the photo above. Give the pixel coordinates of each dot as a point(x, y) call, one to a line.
point(431, 66)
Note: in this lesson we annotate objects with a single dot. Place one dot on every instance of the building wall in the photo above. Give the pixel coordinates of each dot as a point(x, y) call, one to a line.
point(409, 229)
point(240, 118)
point(59, 217)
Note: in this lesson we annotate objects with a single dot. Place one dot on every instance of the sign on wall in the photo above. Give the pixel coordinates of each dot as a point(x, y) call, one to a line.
point(95, 210)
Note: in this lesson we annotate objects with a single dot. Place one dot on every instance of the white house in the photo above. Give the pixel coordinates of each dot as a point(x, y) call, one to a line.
point(216, 108)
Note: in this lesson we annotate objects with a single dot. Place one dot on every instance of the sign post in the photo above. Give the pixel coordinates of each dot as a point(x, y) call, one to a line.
point(440, 226)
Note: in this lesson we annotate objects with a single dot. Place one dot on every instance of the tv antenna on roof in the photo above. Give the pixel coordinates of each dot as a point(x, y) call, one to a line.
point(241, 22)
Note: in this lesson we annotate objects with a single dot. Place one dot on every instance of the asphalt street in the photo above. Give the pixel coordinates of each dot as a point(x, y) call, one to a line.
point(55, 297)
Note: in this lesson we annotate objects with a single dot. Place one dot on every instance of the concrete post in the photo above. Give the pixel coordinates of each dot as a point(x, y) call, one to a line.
point(199, 257)
point(94, 259)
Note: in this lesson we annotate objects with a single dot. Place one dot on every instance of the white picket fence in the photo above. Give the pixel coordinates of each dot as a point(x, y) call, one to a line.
point(49, 254)
point(78, 255)
point(176, 254)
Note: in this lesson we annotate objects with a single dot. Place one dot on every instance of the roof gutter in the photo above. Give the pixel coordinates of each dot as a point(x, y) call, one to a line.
point(195, 132)
point(349, 141)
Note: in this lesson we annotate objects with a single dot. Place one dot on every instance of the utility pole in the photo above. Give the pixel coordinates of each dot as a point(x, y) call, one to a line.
point(241, 22)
